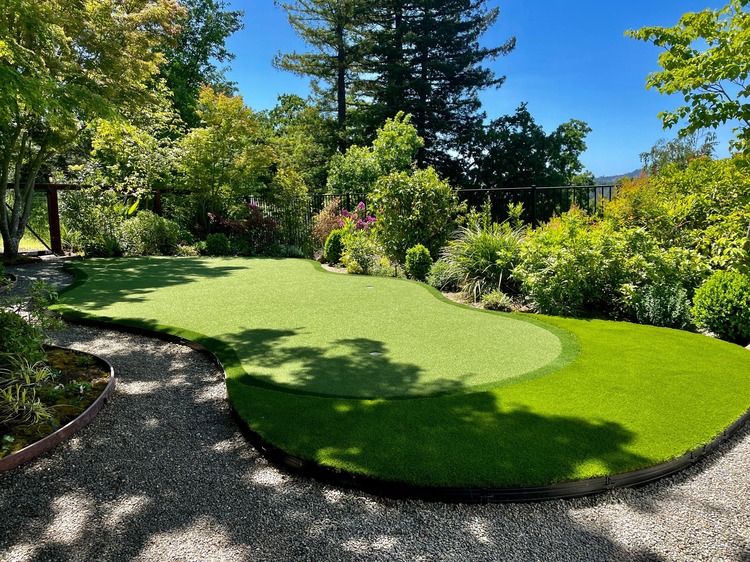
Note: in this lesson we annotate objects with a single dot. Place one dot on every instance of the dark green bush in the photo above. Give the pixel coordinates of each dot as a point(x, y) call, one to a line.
point(92, 220)
point(148, 234)
point(663, 305)
point(334, 246)
point(722, 306)
point(418, 262)
point(442, 276)
point(217, 245)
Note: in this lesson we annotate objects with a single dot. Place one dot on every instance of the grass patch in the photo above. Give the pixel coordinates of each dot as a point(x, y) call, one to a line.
point(457, 396)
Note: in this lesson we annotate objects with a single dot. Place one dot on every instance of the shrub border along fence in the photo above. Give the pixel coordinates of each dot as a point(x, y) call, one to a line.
point(295, 218)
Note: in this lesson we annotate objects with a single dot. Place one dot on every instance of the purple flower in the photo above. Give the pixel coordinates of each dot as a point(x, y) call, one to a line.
point(344, 213)
point(361, 206)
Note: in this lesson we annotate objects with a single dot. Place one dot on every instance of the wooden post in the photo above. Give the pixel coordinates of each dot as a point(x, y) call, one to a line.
point(157, 203)
point(53, 212)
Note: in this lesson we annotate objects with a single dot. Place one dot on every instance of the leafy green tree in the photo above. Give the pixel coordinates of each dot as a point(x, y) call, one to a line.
point(136, 154)
point(192, 61)
point(514, 151)
point(226, 157)
point(393, 150)
point(331, 27)
point(63, 65)
point(679, 151)
point(303, 138)
point(706, 58)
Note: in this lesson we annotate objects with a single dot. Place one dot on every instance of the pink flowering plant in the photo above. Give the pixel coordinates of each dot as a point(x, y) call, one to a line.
point(354, 220)
point(360, 249)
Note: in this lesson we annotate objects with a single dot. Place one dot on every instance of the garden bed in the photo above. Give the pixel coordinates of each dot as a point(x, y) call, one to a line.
point(82, 385)
point(597, 398)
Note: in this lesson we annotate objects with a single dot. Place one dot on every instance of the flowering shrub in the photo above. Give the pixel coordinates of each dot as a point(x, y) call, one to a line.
point(360, 251)
point(352, 221)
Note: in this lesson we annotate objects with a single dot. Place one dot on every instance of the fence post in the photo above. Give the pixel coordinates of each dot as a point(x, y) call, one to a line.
point(53, 213)
point(533, 206)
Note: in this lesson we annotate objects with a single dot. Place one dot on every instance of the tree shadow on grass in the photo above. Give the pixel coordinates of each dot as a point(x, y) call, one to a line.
point(428, 439)
point(355, 367)
point(110, 281)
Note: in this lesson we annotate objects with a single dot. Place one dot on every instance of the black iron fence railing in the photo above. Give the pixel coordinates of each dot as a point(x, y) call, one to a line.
point(540, 204)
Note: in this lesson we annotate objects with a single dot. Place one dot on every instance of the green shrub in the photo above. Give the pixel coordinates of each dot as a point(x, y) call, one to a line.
point(334, 246)
point(360, 252)
point(92, 220)
point(292, 251)
point(186, 250)
point(663, 305)
point(413, 209)
point(148, 234)
point(217, 245)
point(574, 265)
point(497, 300)
point(722, 306)
point(482, 258)
point(442, 276)
point(418, 262)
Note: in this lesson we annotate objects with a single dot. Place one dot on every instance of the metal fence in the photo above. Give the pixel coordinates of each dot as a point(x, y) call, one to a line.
point(295, 218)
point(540, 204)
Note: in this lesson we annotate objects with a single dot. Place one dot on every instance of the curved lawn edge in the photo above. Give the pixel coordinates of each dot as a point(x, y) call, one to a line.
point(403, 490)
point(569, 342)
point(40, 447)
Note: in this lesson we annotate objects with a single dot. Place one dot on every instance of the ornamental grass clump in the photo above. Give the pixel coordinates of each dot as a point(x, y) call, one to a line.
point(722, 306)
point(482, 258)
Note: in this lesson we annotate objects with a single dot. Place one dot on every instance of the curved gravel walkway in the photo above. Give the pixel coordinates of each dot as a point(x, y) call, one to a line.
point(164, 474)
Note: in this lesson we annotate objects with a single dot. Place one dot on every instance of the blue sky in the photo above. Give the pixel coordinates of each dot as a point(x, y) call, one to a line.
point(572, 60)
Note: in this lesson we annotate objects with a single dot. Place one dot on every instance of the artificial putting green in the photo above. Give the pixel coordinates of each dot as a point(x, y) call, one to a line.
point(386, 378)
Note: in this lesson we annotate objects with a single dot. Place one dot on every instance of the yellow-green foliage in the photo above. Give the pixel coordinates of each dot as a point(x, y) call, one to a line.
point(705, 207)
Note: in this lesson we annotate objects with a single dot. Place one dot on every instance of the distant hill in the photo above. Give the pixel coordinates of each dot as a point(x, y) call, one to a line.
point(610, 180)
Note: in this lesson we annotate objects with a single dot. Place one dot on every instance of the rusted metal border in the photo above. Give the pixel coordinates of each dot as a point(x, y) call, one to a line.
point(40, 447)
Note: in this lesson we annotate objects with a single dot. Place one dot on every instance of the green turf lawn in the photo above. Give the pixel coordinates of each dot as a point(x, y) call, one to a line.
point(453, 396)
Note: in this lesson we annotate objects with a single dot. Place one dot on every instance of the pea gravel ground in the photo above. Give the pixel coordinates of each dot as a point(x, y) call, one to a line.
point(163, 473)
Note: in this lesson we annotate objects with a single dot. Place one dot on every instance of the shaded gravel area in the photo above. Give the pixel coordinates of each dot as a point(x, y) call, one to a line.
point(164, 474)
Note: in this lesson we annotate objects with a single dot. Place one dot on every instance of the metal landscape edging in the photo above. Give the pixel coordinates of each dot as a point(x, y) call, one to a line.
point(405, 490)
point(52, 440)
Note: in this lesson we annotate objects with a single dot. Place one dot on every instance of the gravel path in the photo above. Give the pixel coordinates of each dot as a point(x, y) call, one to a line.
point(164, 474)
